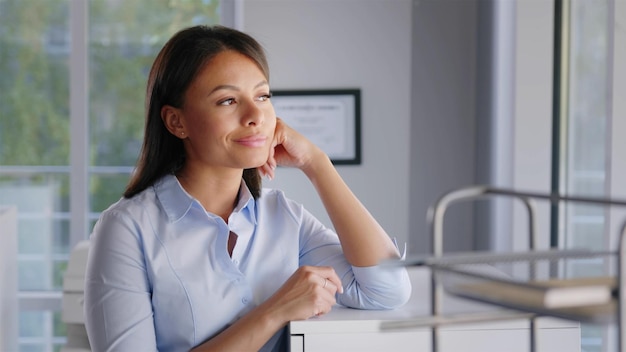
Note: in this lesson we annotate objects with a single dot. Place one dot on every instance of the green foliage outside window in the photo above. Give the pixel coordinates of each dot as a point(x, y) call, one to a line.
point(124, 37)
point(34, 103)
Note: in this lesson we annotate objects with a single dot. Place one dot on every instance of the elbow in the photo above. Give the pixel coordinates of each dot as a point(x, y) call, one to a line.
point(399, 295)
point(391, 291)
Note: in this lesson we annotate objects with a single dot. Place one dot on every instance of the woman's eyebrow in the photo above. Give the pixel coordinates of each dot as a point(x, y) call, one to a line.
point(262, 83)
point(236, 88)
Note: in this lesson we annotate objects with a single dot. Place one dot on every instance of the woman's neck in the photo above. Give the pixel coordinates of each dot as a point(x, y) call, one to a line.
point(216, 191)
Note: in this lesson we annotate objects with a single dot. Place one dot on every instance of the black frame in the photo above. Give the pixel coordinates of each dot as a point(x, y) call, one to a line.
point(355, 94)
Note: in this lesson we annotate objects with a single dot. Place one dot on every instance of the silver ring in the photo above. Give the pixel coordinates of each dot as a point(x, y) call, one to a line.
point(325, 282)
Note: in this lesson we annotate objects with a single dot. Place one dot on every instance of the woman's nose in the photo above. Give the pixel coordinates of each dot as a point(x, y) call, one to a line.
point(253, 114)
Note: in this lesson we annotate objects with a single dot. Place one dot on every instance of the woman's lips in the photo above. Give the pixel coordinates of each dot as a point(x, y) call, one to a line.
point(253, 141)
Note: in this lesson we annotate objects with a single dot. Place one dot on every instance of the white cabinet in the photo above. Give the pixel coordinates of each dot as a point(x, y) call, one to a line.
point(510, 336)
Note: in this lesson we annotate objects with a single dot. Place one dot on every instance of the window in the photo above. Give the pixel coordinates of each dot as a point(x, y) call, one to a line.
point(71, 123)
point(587, 115)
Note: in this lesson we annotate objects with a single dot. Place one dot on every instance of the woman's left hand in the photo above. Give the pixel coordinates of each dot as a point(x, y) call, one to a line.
point(289, 148)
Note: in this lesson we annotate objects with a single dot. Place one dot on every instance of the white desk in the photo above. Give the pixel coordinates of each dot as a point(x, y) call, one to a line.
point(345, 329)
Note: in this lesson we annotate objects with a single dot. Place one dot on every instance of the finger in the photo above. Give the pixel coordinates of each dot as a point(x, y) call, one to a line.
point(331, 288)
point(329, 274)
point(270, 173)
point(336, 281)
point(277, 134)
point(326, 305)
point(269, 170)
point(319, 311)
point(266, 171)
point(271, 159)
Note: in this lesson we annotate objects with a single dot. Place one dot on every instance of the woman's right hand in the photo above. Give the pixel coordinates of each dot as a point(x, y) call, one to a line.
point(291, 149)
point(309, 292)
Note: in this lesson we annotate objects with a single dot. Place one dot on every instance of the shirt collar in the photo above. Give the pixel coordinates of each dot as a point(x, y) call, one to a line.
point(176, 201)
point(246, 203)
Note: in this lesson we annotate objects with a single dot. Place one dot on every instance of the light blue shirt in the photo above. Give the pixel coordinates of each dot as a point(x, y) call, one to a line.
point(159, 276)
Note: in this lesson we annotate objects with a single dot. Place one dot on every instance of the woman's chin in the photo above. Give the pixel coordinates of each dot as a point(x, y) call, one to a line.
point(257, 164)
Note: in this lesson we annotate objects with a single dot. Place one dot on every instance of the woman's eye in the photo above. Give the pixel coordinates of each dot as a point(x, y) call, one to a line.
point(265, 97)
point(226, 102)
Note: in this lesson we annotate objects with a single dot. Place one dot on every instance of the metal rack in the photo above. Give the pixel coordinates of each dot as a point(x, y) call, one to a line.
point(536, 262)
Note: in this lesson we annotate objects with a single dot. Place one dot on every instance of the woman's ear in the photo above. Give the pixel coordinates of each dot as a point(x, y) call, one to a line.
point(172, 119)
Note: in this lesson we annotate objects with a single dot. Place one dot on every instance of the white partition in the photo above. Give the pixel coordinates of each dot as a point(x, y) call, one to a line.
point(8, 279)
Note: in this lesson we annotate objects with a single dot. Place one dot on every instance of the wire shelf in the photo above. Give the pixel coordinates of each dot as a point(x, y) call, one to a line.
point(540, 282)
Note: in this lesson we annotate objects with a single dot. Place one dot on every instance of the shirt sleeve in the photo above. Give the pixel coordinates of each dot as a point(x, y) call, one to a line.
point(118, 310)
point(374, 287)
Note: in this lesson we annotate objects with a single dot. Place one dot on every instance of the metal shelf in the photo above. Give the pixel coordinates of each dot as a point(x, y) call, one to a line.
point(534, 282)
point(533, 266)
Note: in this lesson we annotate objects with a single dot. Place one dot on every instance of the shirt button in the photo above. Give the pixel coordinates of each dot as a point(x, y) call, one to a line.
point(236, 262)
point(244, 300)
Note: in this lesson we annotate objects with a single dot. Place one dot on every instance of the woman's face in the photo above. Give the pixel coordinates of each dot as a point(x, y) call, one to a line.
point(227, 116)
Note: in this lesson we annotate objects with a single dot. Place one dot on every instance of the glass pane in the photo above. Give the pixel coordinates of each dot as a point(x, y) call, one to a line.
point(58, 326)
point(58, 270)
point(33, 274)
point(35, 191)
point(586, 235)
point(123, 41)
point(32, 324)
point(43, 224)
point(33, 236)
point(32, 347)
point(41, 331)
point(106, 189)
point(587, 121)
point(61, 237)
point(35, 144)
point(34, 104)
point(591, 338)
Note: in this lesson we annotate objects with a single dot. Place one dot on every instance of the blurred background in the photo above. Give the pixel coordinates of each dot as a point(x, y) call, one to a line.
point(515, 94)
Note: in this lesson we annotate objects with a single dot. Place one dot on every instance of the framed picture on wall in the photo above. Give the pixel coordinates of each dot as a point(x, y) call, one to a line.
point(330, 118)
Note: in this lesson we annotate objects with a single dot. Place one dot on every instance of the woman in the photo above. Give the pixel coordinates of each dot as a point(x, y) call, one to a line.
point(196, 255)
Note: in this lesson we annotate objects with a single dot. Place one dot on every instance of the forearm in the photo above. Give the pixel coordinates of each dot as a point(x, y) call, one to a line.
point(363, 240)
point(309, 291)
point(248, 333)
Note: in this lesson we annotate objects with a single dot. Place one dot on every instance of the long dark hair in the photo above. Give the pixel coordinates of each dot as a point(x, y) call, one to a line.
point(172, 72)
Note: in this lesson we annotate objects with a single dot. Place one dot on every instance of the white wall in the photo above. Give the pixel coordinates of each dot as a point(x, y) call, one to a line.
point(416, 64)
point(533, 112)
point(443, 113)
point(447, 87)
point(366, 44)
point(618, 142)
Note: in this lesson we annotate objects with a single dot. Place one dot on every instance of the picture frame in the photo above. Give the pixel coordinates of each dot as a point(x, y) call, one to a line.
point(330, 118)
